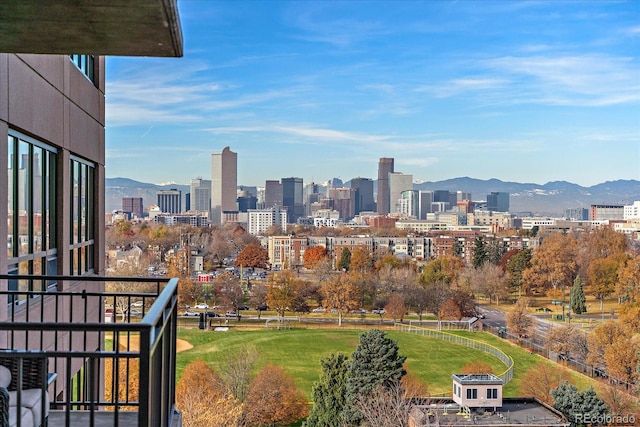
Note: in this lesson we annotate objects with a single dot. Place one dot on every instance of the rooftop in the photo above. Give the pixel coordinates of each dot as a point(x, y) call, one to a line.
point(468, 379)
point(514, 412)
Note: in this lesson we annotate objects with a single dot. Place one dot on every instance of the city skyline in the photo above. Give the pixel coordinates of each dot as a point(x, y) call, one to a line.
point(518, 91)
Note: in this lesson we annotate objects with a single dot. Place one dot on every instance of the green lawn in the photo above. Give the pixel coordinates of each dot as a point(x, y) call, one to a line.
point(299, 351)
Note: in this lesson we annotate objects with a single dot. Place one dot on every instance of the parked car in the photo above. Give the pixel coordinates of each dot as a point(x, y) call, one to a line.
point(263, 307)
point(137, 304)
point(135, 312)
point(318, 310)
point(379, 311)
point(232, 314)
point(212, 314)
point(359, 311)
point(243, 307)
point(201, 306)
point(190, 313)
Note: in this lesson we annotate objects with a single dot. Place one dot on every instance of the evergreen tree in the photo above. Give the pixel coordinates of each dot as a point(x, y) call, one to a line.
point(580, 407)
point(329, 393)
point(345, 259)
point(375, 363)
point(480, 252)
point(577, 298)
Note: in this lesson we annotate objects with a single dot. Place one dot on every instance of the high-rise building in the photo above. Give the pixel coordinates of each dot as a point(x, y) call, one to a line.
point(606, 212)
point(292, 198)
point(170, 201)
point(224, 181)
point(425, 201)
point(385, 167)
point(364, 195)
point(344, 201)
point(272, 194)
point(409, 203)
point(576, 214)
point(200, 195)
point(133, 205)
point(498, 202)
point(260, 220)
point(398, 182)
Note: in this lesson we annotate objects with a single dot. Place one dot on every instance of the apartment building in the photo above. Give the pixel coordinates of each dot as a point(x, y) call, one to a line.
point(260, 220)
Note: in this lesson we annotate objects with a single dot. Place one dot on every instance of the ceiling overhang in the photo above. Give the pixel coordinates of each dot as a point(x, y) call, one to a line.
point(99, 27)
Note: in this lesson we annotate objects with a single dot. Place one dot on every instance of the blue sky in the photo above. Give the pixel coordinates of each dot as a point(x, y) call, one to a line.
point(530, 91)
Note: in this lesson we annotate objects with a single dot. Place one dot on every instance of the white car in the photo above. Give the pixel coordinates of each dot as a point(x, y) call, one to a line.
point(137, 304)
point(201, 306)
point(318, 310)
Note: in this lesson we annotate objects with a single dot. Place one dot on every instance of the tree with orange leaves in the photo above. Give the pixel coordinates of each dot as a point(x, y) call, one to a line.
point(552, 265)
point(313, 256)
point(274, 399)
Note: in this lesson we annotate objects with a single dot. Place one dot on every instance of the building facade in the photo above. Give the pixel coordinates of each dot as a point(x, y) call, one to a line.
point(292, 198)
point(200, 199)
point(364, 195)
point(498, 202)
point(260, 220)
point(385, 167)
point(170, 201)
point(398, 182)
point(224, 181)
point(133, 205)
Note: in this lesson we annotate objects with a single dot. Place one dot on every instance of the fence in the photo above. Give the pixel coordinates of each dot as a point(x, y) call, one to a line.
point(506, 376)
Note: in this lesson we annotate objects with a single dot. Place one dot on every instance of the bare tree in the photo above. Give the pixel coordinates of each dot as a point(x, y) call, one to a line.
point(385, 407)
point(519, 321)
point(235, 371)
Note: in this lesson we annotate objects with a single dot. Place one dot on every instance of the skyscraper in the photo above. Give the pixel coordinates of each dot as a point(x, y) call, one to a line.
point(292, 198)
point(364, 194)
point(201, 195)
point(170, 201)
point(398, 182)
point(224, 181)
point(272, 194)
point(498, 202)
point(385, 167)
point(132, 205)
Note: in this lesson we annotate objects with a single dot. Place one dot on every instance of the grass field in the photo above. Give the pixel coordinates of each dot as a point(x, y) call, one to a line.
point(299, 351)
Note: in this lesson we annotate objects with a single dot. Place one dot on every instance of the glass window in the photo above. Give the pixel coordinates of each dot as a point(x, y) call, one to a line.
point(31, 243)
point(82, 215)
point(86, 64)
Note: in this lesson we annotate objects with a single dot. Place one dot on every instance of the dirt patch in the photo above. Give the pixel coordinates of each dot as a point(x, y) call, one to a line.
point(182, 345)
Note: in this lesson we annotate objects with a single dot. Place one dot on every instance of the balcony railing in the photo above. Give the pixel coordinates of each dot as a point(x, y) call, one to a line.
point(110, 357)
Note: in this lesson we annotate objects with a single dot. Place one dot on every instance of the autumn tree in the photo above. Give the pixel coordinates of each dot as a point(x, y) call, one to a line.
point(519, 321)
point(361, 260)
point(617, 400)
point(540, 379)
point(577, 299)
point(623, 358)
point(190, 291)
point(231, 290)
point(417, 299)
point(345, 259)
point(385, 406)
point(449, 311)
point(599, 243)
point(444, 269)
point(323, 271)
point(395, 307)
point(283, 291)
point(568, 340)
point(253, 255)
point(553, 264)
point(273, 399)
point(603, 276)
point(488, 279)
point(259, 297)
point(329, 394)
point(340, 294)
point(477, 367)
point(438, 294)
point(313, 255)
point(201, 399)
point(628, 285)
point(600, 338)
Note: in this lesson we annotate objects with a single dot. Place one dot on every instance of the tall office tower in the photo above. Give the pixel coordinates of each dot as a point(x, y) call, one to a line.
point(292, 198)
point(132, 205)
point(385, 167)
point(272, 194)
point(425, 201)
point(409, 203)
point(344, 201)
point(170, 201)
point(606, 212)
point(224, 180)
point(462, 195)
point(577, 214)
point(364, 195)
point(201, 195)
point(498, 202)
point(398, 182)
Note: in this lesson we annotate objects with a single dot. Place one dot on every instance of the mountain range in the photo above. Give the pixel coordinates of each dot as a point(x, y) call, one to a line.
point(549, 199)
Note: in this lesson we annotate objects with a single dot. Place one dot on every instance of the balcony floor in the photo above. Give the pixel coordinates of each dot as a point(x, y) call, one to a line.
point(101, 419)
